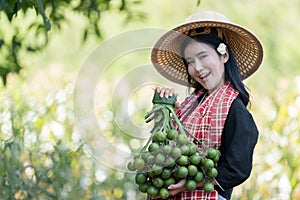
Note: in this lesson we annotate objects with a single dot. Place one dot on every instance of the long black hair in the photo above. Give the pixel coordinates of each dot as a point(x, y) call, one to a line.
point(232, 73)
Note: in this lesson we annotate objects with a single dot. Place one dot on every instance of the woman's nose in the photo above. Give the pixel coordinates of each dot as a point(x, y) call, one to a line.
point(198, 65)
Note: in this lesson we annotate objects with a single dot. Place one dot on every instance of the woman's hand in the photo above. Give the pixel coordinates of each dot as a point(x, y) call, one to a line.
point(180, 187)
point(174, 189)
point(177, 188)
point(167, 92)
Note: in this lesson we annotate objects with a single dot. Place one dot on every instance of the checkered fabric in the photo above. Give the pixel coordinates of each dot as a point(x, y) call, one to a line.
point(196, 195)
point(206, 122)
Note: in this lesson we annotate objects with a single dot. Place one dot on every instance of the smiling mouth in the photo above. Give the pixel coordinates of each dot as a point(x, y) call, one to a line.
point(204, 76)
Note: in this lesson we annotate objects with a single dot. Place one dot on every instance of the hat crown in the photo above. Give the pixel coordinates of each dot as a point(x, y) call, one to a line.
point(207, 16)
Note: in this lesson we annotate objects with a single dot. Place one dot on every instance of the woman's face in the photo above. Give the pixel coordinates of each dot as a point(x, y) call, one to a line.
point(205, 65)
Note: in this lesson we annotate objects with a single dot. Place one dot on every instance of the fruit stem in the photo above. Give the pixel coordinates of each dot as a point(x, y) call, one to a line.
point(171, 123)
point(155, 108)
point(218, 184)
point(166, 119)
point(155, 128)
point(180, 127)
point(147, 144)
point(192, 136)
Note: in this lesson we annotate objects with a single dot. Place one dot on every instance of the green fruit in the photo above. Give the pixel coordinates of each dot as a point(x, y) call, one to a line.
point(158, 182)
point(145, 155)
point(192, 170)
point(169, 181)
point(160, 137)
point(130, 165)
point(219, 152)
point(167, 150)
point(195, 159)
point(172, 134)
point(208, 187)
point(152, 191)
point(150, 160)
point(153, 147)
point(193, 149)
point(166, 173)
point(212, 173)
point(140, 178)
point(157, 170)
point(164, 193)
point(183, 160)
point(151, 173)
point(202, 160)
point(182, 172)
point(212, 153)
point(190, 185)
point(176, 152)
point(139, 163)
point(216, 159)
point(143, 187)
point(182, 139)
point(185, 149)
point(170, 162)
point(159, 159)
point(208, 163)
point(199, 177)
point(172, 143)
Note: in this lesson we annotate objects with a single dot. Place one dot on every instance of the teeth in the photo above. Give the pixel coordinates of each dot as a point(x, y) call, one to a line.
point(203, 76)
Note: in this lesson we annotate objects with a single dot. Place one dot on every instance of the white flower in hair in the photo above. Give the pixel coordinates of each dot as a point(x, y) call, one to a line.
point(221, 49)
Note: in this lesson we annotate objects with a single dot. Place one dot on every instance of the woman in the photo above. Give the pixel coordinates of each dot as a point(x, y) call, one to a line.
point(213, 56)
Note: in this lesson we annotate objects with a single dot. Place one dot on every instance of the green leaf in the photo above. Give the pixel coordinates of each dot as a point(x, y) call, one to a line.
point(1, 42)
point(41, 9)
point(3, 74)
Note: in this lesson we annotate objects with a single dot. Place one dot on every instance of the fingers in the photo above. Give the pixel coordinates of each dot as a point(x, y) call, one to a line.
point(180, 184)
point(165, 92)
point(177, 188)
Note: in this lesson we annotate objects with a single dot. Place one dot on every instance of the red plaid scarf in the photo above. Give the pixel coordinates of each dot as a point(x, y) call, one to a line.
point(206, 122)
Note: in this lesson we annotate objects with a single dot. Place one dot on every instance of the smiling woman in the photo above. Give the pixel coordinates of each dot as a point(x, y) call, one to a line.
point(213, 56)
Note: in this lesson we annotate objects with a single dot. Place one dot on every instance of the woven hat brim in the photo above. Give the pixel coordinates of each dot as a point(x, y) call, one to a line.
point(245, 46)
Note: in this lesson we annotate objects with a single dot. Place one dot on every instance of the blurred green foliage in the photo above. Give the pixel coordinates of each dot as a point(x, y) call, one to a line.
point(53, 14)
point(276, 168)
point(42, 156)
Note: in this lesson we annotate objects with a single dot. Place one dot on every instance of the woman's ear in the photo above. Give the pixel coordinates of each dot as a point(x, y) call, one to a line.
point(226, 56)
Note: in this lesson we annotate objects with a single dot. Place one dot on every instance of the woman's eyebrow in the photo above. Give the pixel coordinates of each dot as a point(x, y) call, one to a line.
point(198, 54)
point(201, 53)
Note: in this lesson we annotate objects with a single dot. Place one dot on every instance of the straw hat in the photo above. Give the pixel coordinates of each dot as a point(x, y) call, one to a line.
point(245, 46)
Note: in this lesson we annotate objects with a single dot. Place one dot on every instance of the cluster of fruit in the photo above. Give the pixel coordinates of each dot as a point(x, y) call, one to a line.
point(169, 156)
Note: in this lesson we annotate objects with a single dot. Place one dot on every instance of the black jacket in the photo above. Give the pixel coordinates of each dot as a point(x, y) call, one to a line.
point(239, 138)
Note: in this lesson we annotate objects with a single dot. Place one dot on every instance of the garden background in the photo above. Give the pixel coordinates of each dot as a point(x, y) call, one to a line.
point(45, 155)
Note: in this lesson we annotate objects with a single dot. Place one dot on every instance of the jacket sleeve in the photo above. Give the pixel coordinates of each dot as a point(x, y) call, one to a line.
point(238, 141)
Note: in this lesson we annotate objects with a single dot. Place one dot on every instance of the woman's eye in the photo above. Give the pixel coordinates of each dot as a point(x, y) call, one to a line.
point(189, 62)
point(202, 56)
